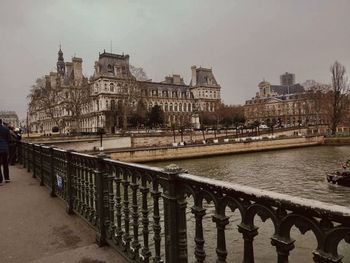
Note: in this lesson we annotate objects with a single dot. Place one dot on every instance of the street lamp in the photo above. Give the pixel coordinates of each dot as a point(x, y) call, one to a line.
point(101, 131)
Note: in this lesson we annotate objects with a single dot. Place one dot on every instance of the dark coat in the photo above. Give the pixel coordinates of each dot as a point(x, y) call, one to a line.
point(5, 138)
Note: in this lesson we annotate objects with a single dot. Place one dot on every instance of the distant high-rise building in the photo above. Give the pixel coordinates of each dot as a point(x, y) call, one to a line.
point(287, 79)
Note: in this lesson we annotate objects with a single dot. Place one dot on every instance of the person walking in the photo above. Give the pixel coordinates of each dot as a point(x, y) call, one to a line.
point(5, 138)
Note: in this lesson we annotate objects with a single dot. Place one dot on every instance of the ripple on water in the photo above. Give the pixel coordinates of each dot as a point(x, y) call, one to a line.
point(298, 172)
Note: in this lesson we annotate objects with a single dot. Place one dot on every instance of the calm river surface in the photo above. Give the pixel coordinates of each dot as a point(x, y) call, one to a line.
point(298, 172)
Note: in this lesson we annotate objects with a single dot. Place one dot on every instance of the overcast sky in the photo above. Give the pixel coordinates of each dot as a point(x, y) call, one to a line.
point(244, 41)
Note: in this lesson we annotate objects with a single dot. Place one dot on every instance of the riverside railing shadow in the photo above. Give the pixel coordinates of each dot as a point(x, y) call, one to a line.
point(141, 210)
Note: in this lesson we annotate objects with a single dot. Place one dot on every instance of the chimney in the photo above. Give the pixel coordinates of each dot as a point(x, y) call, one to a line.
point(69, 68)
point(194, 75)
point(176, 79)
point(77, 68)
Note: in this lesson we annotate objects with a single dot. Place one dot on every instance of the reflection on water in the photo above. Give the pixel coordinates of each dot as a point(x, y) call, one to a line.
point(298, 172)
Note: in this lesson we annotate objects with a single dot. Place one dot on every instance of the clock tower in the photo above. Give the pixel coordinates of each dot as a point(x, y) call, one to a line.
point(60, 63)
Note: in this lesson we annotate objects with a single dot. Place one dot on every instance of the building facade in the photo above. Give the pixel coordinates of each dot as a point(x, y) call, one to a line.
point(113, 93)
point(286, 105)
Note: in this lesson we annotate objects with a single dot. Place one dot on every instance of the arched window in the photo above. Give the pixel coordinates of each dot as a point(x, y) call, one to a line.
point(166, 106)
point(113, 107)
point(175, 107)
point(109, 68)
point(111, 87)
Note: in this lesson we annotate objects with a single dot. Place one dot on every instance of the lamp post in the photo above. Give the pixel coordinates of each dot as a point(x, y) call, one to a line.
point(27, 125)
point(101, 131)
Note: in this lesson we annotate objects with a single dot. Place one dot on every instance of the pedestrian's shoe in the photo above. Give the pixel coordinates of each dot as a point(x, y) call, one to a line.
point(7, 180)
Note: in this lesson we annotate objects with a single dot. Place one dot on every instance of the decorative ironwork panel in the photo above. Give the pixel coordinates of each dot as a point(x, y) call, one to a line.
point(329, 223)
point(84, 186)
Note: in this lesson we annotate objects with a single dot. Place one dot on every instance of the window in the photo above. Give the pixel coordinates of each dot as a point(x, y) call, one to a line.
point(109, 68)
point(111, 87)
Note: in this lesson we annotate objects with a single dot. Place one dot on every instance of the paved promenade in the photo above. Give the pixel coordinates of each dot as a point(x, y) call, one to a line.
point(35, 227)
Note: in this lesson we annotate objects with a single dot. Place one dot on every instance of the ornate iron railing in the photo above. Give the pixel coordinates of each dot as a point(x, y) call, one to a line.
point(141, 210)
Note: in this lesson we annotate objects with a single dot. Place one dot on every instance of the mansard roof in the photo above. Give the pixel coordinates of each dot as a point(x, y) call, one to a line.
point(164, 86)
point(282, 90)
point(204, 77)
point(112, 55)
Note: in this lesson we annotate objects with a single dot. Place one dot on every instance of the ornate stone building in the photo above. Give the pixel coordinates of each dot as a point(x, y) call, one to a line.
point(288, 105)
point(114, 92)
point(57, 98)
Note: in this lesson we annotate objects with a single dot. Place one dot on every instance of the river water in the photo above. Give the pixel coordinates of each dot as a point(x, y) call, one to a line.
point(298, 172)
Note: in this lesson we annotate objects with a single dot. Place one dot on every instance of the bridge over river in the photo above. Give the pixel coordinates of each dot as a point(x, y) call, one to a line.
point(151, 214)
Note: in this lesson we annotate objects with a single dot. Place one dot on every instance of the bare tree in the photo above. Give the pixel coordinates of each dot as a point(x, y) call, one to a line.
point(138, 73)
point(339, 95)
point(53, 100)
point(318, 101)
point(74, 98)
point(43, 97)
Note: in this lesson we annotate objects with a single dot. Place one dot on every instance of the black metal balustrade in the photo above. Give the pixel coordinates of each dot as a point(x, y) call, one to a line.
point(141, 211)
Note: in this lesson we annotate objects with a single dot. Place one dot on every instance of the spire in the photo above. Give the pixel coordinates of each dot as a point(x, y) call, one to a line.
point(60, 63)
point(60, 54)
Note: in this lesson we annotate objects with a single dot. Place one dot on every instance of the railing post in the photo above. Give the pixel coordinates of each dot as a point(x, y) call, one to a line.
point(29, 156)
point(101, 200)
point(248, 233)
point(24, 145)
point(174, 218)
point(33, 160)
point(41, 170)
point(24, 153)
point(283, 247)
point(69, 185)
point(19, 152)
point(52, 173)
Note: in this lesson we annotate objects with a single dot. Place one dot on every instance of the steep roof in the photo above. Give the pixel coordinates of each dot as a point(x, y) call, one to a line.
point(281, 90)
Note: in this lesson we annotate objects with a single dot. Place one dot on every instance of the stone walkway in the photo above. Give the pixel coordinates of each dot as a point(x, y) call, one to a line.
point(35, 227)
